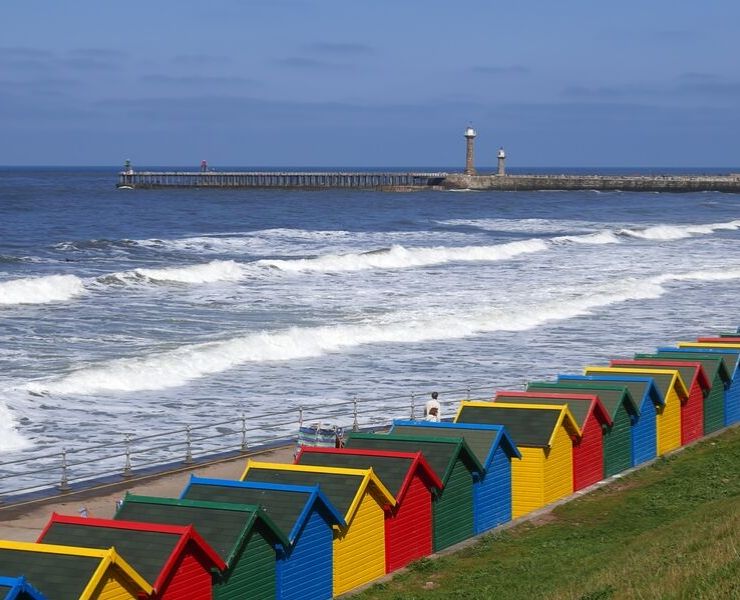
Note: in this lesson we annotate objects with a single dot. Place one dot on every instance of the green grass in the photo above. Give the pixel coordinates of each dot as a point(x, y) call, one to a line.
point(668, 531)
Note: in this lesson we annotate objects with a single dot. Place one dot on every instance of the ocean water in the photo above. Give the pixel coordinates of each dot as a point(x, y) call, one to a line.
point(133, 311)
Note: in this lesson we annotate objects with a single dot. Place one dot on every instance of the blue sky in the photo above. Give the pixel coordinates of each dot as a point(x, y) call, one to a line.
point(381, 83)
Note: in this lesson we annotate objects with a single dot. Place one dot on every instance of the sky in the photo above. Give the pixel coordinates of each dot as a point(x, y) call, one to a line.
point(353, 83)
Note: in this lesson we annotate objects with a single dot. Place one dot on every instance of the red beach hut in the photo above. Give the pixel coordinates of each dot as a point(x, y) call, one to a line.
point(408, 528)
point(175, 560)
point(592, 418)
point(698, 384)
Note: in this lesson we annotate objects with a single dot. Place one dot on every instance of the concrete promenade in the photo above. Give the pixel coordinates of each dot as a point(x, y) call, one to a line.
point(24, 522)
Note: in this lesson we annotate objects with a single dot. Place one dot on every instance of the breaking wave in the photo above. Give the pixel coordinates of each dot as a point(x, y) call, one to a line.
point(217, 270)
point(10, 438)
point(40, 290)
point(177, 367)
point(678, 232)
point(399, 257)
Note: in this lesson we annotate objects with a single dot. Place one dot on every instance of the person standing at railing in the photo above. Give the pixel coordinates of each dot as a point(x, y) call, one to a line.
point(432, 409)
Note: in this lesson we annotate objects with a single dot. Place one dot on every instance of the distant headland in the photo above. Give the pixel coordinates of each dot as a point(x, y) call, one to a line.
point(469, 179)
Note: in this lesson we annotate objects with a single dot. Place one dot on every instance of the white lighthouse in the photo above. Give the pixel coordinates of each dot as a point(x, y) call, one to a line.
point(469, 155)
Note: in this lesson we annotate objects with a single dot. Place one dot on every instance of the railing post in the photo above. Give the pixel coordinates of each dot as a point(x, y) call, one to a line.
point(300, 417)
point(64, 481)
point(188, 448)
point(413, 406)
point(127, 466)
point(468, 398)
point(244, 446)
point(355, 426)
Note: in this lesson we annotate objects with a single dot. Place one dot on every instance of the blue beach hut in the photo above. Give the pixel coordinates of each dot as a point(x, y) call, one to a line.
point(731, 356)
point(649, 401)
point(17, 588)
point(306, 517)
point(494, 449)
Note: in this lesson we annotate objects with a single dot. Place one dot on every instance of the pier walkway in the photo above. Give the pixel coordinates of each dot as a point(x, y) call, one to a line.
point(412, 181)
point(268, 179)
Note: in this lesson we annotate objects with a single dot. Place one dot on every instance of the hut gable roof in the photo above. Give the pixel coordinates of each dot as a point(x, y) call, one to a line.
point(225, 527)
point(343, 487)
point(529, 424)
point(582, 405)
point(153, 549)
point(720, 340)
point(441, 453)
point(611, 396)
point(17, 588)
point(288, 506)
point(66, 571)
point(482, 439)
point(730, 353)
point(666, 378)
point(641, 388)
point(656, 384)
point(689, 371)
point(395, 469)
point(714, 365)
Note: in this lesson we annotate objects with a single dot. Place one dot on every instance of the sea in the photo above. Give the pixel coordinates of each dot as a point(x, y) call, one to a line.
point(139, 312)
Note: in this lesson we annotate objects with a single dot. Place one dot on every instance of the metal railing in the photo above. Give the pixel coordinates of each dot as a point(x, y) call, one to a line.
point(118, 460)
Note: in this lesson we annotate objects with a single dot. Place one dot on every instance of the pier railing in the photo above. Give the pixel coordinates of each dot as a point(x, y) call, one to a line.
point(282, 179)
point(76, 468)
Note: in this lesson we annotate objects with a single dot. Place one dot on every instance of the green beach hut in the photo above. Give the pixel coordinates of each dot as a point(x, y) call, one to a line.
point(621, 406)
point(456, 466)
point(243, 535)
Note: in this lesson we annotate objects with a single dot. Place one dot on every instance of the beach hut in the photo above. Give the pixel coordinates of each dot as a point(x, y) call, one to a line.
point(361, 499)
point(73, 573)
point(592, 419)
point(623, 411)
point(408, 527)
point(303, 513)
point(174, 559)
point(731, 357)
point(457, 468)
point(673, 392)
point(719, 378)
point(728, 339)
point(544, 435)
point(697, 385)
point(244, 536)
point(17, 588)
point(649, 403)
point(494, 450)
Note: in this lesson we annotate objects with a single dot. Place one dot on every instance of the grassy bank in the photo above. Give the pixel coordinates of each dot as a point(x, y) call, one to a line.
point(671, 530)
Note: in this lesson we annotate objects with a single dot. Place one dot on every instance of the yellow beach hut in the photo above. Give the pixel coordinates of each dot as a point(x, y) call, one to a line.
point(674, 392)
point(363, 501)
point(544, 435)
point(71, 573)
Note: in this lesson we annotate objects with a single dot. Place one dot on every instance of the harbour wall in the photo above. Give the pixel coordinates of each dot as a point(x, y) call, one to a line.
point(395, 181)
point(625, 183)
point(274, 179)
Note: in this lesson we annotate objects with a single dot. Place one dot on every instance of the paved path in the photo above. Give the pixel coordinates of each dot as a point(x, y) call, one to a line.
point(24, 523)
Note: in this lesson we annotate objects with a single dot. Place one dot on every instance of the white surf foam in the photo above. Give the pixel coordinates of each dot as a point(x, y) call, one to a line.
point(177, 367)
point(678, 232)
point(10, 438)
point(399, 257)
point(40, 290)
point(217, 270)
point(598, 238)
